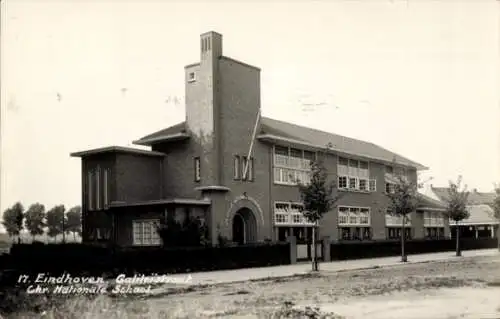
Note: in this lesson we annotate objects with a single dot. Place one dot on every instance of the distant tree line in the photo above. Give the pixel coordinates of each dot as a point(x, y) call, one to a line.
point(37, 221)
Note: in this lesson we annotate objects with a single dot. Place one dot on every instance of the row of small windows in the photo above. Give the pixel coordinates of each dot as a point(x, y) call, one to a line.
point(292, 165)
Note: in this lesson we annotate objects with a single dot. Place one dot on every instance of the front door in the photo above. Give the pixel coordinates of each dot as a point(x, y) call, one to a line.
point(238, 229)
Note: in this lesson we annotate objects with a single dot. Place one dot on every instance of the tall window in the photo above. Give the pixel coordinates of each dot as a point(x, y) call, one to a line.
point(286, 213)
point(397, 221)
point(90, 190)
point(292, 164)
point(145, 232)
point(105, 187)
point(354, 175)
point(197, 169)
point(433, 219)
point(248, 165)
point(434, 225)
point(236, 167)
point(354, 223)
point(389, 188)
point(98, 188)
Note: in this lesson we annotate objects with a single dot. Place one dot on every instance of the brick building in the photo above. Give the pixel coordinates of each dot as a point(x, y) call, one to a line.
point(197, 167)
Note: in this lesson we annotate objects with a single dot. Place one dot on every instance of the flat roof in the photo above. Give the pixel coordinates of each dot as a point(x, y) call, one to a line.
point(116, 149)
point(178, 201)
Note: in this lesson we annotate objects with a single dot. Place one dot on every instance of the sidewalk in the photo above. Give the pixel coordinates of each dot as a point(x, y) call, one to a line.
point(228, 276)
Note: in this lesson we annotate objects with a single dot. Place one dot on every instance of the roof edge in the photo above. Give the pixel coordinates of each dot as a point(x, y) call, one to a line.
point(273, 137)
point(116, 149)
point(165, 138)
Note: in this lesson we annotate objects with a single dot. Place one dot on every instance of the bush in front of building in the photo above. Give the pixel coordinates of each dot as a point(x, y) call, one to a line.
point(389, 248)
point(94, 260)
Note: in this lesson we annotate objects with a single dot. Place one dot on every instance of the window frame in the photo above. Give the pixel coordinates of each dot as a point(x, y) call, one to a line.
point(348, 171)
point(141, 241)
point(197, 169)
point(236, 167)
point(289, 214)
point(249, 177)
point(281, 169)
point(90, 190)
point(358, 216)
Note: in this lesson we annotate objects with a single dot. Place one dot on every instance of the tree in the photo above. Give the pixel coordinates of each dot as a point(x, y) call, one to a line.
point(318, 198)
point(496, 210)
point(456, 209)
point(56, 221)
point(404, 199)
point(190, 232)
point(13, 220)
point(74, 218)
point(35, 219)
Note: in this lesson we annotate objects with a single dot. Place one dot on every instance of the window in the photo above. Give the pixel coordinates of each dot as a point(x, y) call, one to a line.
point(289, 214)
point(236, 167)
point(395, 233)
point(389, 188)
point(98, 188)
point(248, 165)
point(342, 181)
point(292, 165)
point(433, 219)
point(345, 233)
point(355, 233)
point(364, 216)
point(373, 185)
point(354, 216)
point(353, 183)
point(191, 77)
point(90, 190)
point(363, 184)
point(393, 220)
point(354, 175)
point(197, 169)
point(105, 187)
point(145, 232)
point(343, 215)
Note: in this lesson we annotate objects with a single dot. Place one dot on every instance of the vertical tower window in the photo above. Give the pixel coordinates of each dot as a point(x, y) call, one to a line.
point(105, 187)
point(90, 189)
point(248, 165)
point(98, 188)
point(197, 169)
point(236, 168)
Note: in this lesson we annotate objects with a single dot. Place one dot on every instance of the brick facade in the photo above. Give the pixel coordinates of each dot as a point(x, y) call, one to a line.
point(222, 106)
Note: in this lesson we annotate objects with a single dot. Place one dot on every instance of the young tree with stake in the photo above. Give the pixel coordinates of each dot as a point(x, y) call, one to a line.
point(403, 200)
point(318, 199)
point(496, 210)
point(456, 209)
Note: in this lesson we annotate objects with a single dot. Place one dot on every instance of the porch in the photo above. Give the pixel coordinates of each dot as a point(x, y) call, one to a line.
point(137, 223)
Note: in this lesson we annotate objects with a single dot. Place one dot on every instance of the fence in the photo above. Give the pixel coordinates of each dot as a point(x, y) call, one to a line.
point(92, 260)
point(388, 248)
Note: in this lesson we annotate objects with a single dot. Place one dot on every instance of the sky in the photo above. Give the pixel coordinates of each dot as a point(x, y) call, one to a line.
point(420, 78)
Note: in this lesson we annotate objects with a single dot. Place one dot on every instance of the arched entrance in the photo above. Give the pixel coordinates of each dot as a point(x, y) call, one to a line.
point(244, 226)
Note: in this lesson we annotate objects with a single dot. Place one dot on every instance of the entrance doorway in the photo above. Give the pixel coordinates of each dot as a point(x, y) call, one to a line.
point(244, 227)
